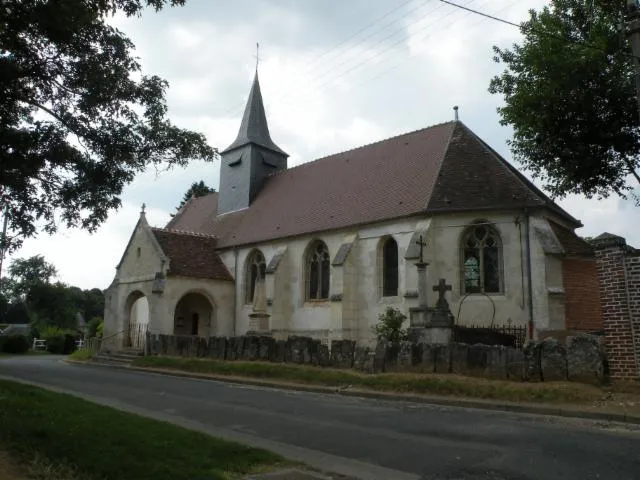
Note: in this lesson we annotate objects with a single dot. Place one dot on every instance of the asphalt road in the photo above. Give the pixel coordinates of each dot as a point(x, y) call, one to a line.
point(368, 438)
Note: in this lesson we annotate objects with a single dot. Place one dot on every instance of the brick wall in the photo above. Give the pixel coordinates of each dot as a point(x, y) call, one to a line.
point(633, 284)
point(619, 296)
point(583, 311)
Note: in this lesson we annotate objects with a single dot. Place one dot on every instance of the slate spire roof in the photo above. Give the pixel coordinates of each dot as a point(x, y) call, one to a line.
point(254, 128)
point(445, 168)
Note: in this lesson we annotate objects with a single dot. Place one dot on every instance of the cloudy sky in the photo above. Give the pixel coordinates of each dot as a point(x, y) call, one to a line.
point(332, 77)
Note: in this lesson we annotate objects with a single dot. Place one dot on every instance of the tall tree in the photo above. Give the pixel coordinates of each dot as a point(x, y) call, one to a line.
point(26, 273)
point(197, 189)
point(78, 119)
point(570, 97)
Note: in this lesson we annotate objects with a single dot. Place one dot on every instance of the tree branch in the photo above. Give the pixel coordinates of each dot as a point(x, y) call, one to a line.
point(62, 121)
point(632, 169)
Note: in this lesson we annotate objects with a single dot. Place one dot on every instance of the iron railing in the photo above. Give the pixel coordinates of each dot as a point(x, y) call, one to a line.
point(506, 335)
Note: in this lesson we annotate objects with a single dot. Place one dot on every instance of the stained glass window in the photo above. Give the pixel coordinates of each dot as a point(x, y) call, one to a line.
point(318, 271)
point(481, 257)
point(255, 266)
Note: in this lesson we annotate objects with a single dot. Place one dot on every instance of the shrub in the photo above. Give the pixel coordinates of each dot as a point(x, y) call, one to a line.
point(59, 341)
point(15, 344)
point(94, 327)
point(389, 325)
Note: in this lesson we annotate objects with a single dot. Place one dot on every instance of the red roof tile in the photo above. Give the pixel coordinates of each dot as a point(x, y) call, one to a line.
point(571, 243)
point(191, 255)
point(437, 169)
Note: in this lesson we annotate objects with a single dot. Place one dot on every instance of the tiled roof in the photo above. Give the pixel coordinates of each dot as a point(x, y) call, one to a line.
point(444, 168)
point(571, 243)
point(191, 254)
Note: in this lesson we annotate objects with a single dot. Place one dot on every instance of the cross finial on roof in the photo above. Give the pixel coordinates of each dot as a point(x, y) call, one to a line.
point(257, 55)
point(144, 206)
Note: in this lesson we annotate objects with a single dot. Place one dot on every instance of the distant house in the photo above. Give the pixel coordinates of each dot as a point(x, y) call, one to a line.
point(16, 329)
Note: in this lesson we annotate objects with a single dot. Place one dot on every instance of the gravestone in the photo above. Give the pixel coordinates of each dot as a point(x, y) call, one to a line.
point(433, 325)
point(586, 359)
point(553, 360)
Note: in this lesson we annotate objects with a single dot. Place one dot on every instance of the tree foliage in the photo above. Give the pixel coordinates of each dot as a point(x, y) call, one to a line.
point(389, 326)
point(26, 273)
point(570, 97)
point(197, 189)
point(78, 119)
point(32, 297)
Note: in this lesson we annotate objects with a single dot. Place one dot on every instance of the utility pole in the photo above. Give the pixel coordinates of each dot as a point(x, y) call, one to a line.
point(633, 33)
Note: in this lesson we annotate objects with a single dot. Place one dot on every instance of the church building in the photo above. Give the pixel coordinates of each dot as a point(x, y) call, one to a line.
point(323, 248)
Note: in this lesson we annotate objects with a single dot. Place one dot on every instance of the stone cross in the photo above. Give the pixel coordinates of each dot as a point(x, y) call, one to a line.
point(422, 244)
point(143, 207)
point(442, 288)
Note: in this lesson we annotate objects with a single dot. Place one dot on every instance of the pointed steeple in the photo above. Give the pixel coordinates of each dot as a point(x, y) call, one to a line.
point(254, 128)
point(249, 161)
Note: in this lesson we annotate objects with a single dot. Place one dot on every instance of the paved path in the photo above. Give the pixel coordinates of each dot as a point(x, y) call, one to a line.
point(368, 438)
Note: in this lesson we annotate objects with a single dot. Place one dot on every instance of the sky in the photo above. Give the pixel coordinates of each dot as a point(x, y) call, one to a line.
point(334, 76)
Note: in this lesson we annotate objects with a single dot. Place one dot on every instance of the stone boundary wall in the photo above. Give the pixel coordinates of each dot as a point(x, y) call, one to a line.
point(583, 358)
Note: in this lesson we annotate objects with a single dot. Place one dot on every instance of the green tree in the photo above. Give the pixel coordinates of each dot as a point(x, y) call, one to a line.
point(570, 97)
point(92, 303)
point(26, 273)
point(389, 326)
point(78, 119)
point(54, 304)
point(197, 189)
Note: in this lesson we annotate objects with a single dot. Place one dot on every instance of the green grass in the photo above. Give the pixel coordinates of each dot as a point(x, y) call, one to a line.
point(82, 355)
point(432, 384)
point(99, 442)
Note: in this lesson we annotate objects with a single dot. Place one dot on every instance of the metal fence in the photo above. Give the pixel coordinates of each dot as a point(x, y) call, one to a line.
point(92, 344)
point(506, 335)
point(137, 337)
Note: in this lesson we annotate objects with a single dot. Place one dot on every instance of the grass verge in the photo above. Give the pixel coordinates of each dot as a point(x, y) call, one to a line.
point(83, 355)
point(432, 384)
point(38, 427)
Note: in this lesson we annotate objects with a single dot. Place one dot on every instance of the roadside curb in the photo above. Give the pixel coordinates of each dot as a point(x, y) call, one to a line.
point(374, 395)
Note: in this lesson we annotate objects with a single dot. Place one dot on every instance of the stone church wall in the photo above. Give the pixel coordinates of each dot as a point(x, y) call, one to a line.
point(355, 286)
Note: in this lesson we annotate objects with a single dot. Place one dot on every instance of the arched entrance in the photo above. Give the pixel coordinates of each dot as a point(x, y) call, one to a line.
point(136, 322)
point(194, 315)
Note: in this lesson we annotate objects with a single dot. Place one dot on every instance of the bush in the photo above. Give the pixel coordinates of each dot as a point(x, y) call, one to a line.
point(59, 341)
point(389, 325)
point(15, 344)
point(94, 327)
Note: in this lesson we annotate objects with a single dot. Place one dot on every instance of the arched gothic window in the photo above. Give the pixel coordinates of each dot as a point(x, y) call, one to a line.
point(317, 271)
point(256, 268)
point(389, 268)
point(481, 260)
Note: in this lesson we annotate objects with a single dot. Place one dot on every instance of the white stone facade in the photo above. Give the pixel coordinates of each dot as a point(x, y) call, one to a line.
point(355, 286)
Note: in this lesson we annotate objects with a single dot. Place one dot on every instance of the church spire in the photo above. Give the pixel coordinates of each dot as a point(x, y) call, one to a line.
point(254, 128)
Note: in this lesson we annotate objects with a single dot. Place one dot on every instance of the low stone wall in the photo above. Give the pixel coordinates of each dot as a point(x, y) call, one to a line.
point(582, 359)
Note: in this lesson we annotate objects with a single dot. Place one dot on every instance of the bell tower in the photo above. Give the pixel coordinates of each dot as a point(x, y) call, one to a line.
point(248, 161)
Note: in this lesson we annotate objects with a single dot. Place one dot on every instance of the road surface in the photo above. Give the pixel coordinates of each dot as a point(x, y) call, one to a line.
point(363, 437)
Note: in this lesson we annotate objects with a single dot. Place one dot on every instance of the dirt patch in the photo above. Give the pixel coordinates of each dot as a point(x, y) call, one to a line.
point(11, 470)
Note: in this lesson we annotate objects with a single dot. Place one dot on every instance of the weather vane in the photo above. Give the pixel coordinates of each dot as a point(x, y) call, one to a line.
point(257, 55)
